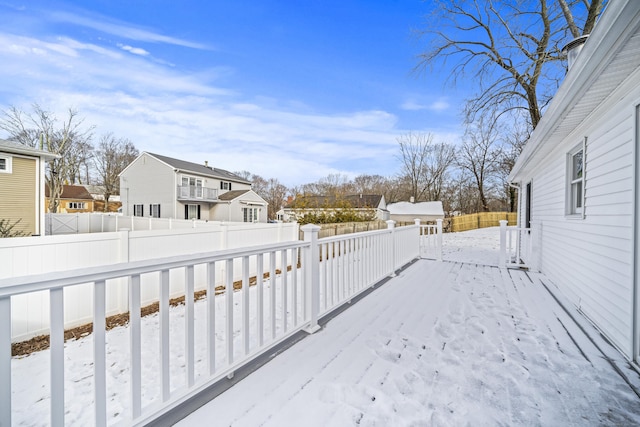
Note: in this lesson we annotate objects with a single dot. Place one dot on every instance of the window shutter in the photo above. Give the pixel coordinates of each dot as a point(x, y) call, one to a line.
point(186, 211)
point(159, 216)
point(229, 186)
point(221, 183)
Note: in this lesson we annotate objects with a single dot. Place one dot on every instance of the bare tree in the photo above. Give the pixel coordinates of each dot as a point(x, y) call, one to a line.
point(111, 157)
point(480, 155)
point(424, 165)
point(275, 194)
point(512, 49)
point(41, 129)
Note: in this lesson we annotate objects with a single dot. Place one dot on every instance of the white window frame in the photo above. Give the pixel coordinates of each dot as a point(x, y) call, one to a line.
point(196, 183)
point(76, 205)
point(8, 163)
point(250, 214)
point(138, 210)
point(575, 197)
point(154, 210)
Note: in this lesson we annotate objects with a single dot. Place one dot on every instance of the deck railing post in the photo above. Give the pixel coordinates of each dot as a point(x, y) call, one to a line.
point(439, 240)
point(312, 275)
point(503, 243)
point(391, 225)
point(420, 236)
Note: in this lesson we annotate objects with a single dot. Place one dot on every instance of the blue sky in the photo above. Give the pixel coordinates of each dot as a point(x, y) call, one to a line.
point(293, 90)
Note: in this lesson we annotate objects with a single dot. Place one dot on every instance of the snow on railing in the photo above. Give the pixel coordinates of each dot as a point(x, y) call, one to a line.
point(514, 246)
point(232, 329)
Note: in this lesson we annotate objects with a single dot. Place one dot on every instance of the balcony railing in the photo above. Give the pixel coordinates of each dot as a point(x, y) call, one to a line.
point(192, 192)
point(294, 283)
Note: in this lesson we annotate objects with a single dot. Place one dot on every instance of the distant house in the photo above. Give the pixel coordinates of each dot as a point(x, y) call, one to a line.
point(22, 181)
point(363, 203)
point(163, 187)
point(409, 211)
point(73, 199)
point(579, 180)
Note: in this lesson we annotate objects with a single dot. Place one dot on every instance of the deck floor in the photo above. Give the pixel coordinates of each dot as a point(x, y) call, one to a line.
point(443, 343)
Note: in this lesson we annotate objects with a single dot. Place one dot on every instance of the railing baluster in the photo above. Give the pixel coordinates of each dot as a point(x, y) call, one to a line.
point(165, 351)
point(260, 303)
point(99, 352)
point(56, 340)
point(136, 349)
point(325, 267)
point(245, 304)
point(5, 361)
point(283, 288)
point(189, 325)
point(228, 290)
point(272, 293)
point(294, 287)
point(211, 316)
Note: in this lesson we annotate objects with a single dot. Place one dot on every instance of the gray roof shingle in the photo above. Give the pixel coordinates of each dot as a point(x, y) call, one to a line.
point(199, 169)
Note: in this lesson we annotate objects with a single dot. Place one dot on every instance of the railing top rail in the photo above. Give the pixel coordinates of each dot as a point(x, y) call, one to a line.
point(350, 236)
point(39, 282)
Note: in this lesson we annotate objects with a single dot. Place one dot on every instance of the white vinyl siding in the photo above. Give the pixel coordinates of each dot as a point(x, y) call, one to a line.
point(591, 260)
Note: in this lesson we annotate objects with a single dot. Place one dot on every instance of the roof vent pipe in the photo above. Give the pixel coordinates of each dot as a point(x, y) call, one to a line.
point(573, 48)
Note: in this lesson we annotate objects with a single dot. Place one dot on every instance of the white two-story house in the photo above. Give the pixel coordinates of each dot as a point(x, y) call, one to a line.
point(164, 187)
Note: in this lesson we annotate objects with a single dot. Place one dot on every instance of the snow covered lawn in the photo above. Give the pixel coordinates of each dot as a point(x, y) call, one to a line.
point(442, 344)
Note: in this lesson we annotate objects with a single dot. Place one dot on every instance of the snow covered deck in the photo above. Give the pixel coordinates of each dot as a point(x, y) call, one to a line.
point(443, 343)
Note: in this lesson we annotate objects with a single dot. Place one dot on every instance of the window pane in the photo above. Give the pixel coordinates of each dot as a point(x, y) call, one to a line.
point(579, 194)
point(577, 165)
point(3, 164)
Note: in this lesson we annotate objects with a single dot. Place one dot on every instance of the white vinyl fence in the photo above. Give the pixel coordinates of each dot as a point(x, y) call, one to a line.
point(24, 256)
point(324, 274)
point(97, 222)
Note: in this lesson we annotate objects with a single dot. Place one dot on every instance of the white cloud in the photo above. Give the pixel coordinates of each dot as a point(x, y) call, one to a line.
point(191, 117)
point(134, 50)
point(121, 29)
point(437, 105)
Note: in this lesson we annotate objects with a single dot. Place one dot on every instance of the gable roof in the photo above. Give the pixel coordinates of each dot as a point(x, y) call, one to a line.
point(184, 166)
point(17, 148)
point(420, 208)
point(71, 192)
point(233, 194)
point(356, 201)
point(609, 57)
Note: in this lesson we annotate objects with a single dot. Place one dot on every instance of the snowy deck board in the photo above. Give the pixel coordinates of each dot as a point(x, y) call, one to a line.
point(441, 344)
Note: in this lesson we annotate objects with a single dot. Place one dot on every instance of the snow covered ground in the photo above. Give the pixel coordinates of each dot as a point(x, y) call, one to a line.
point(444, 344)
point(450, 343)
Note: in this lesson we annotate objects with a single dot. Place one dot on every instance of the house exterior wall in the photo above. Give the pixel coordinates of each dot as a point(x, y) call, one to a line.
point(233, 210)
point(149, 181)
point(19, 192)
point(591, 259)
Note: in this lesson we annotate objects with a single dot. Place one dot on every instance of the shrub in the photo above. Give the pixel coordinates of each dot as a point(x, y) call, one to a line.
point(7, 229)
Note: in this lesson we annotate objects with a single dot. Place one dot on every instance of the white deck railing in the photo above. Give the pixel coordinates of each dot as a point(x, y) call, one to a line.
point(322, 275)
point(431, 240)
point(515, 246)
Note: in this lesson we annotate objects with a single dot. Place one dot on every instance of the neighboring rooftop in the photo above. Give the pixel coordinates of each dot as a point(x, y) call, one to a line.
point(200, 169)
point(71, 192)
point(419, 208)
point(17, 148)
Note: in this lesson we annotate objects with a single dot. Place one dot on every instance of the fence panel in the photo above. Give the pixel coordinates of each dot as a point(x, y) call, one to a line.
point(481, 220)
point(24, 256)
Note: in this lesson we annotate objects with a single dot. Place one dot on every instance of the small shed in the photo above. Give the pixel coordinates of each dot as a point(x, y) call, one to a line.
point(408, 211)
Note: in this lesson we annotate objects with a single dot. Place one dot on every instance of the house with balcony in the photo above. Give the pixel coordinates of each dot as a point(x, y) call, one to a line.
point(579, 180)
point(163, 187)
point(22, 182)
